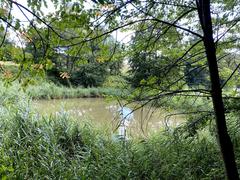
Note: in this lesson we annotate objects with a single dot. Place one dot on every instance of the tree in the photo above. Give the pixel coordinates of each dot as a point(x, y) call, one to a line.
point(88, 64)
point(216, 90)
point(194, 31)
point(173, 14)
point(148, 63)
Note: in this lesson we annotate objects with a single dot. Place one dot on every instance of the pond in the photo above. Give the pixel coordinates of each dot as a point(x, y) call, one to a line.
point(108, 114)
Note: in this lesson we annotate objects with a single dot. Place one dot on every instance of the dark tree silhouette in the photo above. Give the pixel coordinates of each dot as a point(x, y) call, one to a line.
point(225, 143)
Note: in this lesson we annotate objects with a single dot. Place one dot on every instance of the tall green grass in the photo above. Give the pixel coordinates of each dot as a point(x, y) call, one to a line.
point(51, 91)
point(35, 147)
point(60, 147)
point(48, 90)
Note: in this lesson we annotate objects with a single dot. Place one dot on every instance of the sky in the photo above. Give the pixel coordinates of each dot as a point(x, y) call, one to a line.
point(20, 15)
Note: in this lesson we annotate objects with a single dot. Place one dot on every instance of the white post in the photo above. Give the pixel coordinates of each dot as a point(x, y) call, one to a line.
point(122, 131)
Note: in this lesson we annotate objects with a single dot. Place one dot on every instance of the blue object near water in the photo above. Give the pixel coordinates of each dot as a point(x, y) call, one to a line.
point(126, 114)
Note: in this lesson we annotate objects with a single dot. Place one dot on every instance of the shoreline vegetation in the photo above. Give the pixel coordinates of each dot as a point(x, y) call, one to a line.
point(61, 92)
point(80, 101)
point(42, 88)
point(34, 147)
point(49, 90)
point(61, 147)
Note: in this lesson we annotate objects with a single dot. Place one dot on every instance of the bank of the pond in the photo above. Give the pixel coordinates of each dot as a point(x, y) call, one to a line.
point(61, 147)
point(52, 91)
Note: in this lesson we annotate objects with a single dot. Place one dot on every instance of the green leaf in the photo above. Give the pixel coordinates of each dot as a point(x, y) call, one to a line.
point(17, 24)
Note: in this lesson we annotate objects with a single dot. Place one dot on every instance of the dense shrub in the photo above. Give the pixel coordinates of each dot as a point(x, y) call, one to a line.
point(115, 82)
point(89, 75)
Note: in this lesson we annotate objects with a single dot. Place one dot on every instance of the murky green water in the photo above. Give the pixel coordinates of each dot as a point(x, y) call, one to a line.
point(105, 114)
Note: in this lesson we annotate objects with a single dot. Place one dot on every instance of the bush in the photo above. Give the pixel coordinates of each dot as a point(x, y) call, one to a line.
point(89, 75)
point(115, 82)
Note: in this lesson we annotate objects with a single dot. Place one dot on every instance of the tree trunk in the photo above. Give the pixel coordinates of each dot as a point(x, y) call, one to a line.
point(225, 143)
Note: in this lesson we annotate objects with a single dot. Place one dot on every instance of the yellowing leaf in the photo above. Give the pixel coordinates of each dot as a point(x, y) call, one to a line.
point(64, 75)
point(7, 74)
point(100, 59)
point(38, 66)
point(98, 14)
